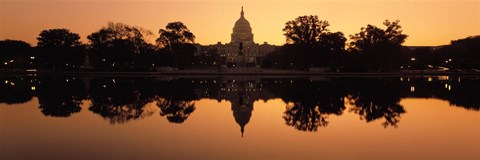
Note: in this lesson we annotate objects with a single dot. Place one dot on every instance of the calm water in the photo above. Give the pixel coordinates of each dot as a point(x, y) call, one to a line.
point(240, 117)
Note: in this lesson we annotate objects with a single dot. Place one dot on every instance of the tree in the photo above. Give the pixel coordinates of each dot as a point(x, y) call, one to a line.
point(462, 53)
point(15, 54)
point(272, 60)
point(60, 49)
point(118, 45)
point(381, 47)
point(331, 47)
point(305, 30)
point(120, 31)
point(177, 38)
point(58, 37)
point(175, 33)
point(311, 41)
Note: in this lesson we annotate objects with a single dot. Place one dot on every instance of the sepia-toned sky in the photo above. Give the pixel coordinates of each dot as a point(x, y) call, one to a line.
point(427, 22)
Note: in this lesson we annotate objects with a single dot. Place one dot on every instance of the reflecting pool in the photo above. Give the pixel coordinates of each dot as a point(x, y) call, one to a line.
point(239, 117)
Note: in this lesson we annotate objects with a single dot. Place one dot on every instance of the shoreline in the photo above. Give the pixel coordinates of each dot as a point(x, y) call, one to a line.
point(238, 73)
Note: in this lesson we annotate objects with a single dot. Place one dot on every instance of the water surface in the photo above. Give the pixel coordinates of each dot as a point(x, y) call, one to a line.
point(239, 117)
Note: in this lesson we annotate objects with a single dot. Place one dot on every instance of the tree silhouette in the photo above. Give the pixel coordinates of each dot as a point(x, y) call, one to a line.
point(331, 46)
point(332, 42)
point(119, 45)
point(310, 43)
point(15, 54)
point(305, 30)
point(60, 49)
point(462, 53)
point(58, 37)
point(175, 33)
point(178, 39)
point(380, 47)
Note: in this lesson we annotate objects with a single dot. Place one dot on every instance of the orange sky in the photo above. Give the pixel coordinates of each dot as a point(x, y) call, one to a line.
point(427, 22)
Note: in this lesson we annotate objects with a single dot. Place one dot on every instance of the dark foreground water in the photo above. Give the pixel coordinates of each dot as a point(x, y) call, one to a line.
point(239, 117)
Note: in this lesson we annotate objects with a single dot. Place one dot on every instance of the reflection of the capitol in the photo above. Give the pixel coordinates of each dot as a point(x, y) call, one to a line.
point(309, 100)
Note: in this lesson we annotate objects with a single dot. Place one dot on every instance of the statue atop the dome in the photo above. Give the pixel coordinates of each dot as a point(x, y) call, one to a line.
point(241, 13)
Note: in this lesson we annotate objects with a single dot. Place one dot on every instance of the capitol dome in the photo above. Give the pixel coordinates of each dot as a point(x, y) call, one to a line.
point(242, 32)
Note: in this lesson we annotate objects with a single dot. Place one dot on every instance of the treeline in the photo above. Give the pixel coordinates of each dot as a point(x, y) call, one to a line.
point(310, 43)
point(115, 47)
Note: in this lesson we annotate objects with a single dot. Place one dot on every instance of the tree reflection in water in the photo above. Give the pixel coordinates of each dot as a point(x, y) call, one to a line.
point(304, 117)
point(374, 98)
point(372, 110)
point(175, 99)
point(177, 111)
point(118, 99)
point(308, 116)
point(309, 101)
point(15, 90)
point(60, 96)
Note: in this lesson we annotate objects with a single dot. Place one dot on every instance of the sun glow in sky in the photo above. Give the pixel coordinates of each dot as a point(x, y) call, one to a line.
point(427, 22)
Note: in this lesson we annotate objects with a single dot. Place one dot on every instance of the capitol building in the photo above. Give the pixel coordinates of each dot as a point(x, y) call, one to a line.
point(242, 51)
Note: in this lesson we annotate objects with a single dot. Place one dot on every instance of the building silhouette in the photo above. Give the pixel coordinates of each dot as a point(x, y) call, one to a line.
point(242, 49)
